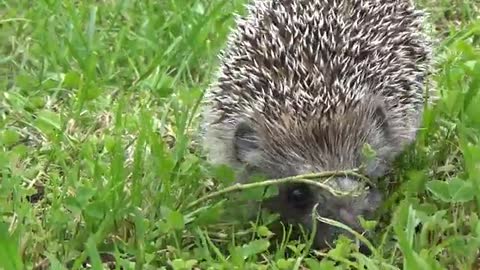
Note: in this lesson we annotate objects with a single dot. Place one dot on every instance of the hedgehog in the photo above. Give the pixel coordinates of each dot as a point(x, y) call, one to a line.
point(304, 85)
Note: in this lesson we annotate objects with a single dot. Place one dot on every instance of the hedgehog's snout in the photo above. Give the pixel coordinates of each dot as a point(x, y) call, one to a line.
point(346, 210)
point(295, 203)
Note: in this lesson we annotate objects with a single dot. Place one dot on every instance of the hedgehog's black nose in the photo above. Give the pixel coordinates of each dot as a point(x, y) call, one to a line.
point(299, 196)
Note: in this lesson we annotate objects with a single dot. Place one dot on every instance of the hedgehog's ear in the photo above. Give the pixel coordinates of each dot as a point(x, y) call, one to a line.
point(245, 143)
point(380, 114)
point(381, 117)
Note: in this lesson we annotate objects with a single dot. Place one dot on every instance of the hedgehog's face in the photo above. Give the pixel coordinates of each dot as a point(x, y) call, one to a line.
point(301, 149)
point(295, 203)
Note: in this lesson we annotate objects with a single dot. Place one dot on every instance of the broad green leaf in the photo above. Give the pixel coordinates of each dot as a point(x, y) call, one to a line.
point(48, 121)
point(271, 191)
point(36, 102)
point(209, 215)
point(72, 80)
point(323, 265)
point(180, 264)
point(236, 256)
point(439, 189)
point(416, 182)
point(285, 264)
point(224, 174)
point(26, 81)
point(175, 220)
point(263, 231)
point(367, 224)
point(255, 247)
point(342, 248)
point(460, 190)
point(9, 137)
point(95, 210)
point(297, 249)
point(365, 262)
point(83, 195)
point(254, 194)
point(92, 92)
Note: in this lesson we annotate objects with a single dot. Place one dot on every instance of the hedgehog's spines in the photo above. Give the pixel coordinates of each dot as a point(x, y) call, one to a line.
point(314, 59)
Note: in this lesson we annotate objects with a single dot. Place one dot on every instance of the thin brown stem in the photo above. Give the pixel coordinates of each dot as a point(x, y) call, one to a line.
point(305, 179)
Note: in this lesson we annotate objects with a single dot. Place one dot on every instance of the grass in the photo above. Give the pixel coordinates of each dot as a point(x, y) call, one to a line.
point(98, 160)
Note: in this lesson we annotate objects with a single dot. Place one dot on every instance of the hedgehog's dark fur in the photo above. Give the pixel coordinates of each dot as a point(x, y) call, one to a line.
point(304, 84)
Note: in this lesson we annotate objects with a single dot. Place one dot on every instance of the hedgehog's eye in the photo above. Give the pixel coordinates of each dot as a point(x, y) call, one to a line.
point(300, 196)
